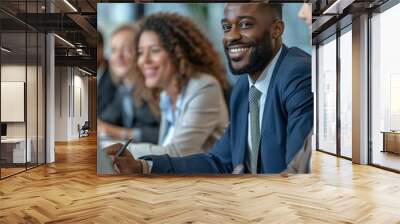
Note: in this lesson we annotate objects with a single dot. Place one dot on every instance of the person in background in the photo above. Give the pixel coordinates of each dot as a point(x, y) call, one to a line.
point(271, 103)
point(129, 116)
point(173, 55)
point(105, 86)
point(305, 14)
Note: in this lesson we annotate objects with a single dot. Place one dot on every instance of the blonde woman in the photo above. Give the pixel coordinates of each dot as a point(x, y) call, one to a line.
point(127, 117)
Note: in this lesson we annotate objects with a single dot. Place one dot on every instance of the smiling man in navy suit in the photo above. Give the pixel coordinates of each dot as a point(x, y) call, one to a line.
point(271, 104)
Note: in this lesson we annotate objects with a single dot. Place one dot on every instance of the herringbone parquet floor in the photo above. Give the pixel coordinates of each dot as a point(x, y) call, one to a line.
point(69, 191)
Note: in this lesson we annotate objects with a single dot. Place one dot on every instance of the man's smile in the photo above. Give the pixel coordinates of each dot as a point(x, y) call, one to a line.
point(237, 53)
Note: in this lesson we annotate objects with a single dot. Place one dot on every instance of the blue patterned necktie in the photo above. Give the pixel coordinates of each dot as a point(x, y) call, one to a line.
point(254, 101)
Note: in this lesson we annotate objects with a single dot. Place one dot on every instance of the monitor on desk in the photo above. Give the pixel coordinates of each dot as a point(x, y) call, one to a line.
point(3, 130)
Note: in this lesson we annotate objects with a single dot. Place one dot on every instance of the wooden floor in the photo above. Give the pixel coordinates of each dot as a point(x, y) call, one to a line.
point(387, 159)
point(69, 191)
point(10, 171)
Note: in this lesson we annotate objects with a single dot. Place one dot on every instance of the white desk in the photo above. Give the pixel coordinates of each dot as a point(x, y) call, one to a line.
point(104, 163)
point(19, 149)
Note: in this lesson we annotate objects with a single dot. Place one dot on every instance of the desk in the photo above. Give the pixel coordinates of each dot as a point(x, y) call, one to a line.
point(391, 141)
point(104, 163)
point(13, 150)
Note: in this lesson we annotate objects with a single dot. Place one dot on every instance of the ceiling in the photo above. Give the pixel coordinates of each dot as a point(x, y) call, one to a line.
point(76, 20)
point(331, 15)
point(72, 20)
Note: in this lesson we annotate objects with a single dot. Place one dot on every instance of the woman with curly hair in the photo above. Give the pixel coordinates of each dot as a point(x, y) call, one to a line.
point(173, 56)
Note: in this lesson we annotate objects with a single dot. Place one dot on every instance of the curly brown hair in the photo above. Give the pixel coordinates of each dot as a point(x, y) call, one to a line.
point(190, 50)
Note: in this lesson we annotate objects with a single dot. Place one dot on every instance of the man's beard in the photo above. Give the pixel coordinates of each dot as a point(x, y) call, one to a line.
point(260, 56)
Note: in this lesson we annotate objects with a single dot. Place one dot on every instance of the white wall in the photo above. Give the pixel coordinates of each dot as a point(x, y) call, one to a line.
point(61, 103)
point(12, 73)
point(71, 94)
point(81, 100)
point(16, 73)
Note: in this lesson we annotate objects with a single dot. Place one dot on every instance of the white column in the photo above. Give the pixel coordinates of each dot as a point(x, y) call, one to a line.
point(50, 110)
point(360, 90)
point(50, 92)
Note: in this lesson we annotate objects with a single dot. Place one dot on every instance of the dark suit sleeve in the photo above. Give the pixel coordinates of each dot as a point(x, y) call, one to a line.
point(298, 102)
point(112, 113)
point(149, 134)
point(105, 91)
point(147, 123)
point(218, 160)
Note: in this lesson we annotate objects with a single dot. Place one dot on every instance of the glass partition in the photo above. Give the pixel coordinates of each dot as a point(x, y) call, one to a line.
point(22, 77)
point(14, 153)
point(327, 96)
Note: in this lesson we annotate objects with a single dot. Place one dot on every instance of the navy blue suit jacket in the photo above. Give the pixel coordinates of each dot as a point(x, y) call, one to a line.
point(287, 122)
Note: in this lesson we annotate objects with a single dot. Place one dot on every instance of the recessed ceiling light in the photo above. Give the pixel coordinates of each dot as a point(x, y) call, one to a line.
point(70, 5)
point(337, 7)
point(65, 41)
point(84, 71)
point(5, 50)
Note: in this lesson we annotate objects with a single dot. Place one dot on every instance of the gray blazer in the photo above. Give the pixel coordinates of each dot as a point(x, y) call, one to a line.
point(201, 122)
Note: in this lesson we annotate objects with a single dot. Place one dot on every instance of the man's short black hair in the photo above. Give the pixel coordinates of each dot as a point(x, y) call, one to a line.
point(276, 8)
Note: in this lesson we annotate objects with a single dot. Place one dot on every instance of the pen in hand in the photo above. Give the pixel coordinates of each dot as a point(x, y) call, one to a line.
point(122, 149)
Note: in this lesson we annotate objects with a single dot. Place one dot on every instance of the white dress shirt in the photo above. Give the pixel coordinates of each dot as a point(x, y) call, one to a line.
point(171, 113)
point(262, 84)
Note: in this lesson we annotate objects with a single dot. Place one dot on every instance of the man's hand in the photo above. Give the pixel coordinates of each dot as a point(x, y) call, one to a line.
point(124, 164)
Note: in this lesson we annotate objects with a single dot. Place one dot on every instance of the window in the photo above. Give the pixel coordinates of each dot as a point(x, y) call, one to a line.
point(385, 89)
point(346, 93)
point(327, 96)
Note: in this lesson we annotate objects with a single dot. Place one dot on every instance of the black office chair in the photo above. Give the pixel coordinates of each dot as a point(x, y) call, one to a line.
point(84, 130)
